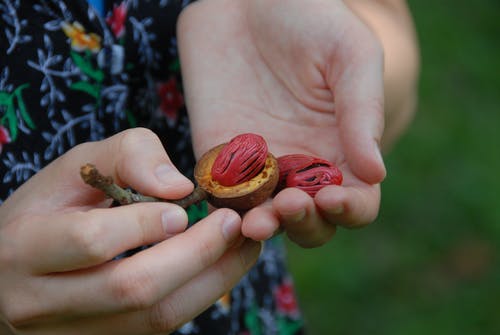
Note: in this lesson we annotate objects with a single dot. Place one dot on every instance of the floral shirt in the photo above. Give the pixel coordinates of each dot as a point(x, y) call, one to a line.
point(69, 75)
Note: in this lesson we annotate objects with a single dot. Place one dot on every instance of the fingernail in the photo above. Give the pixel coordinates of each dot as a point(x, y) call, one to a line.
point(380, 159)
point(337, 210)
point(167, 174)
point(250, 251)
point(231, 226)
point(295, 217)
point(174, 221)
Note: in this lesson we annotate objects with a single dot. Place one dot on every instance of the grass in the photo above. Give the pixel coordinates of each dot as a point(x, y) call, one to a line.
point(430, 263)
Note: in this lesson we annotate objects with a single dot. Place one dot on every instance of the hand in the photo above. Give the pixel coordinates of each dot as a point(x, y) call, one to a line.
point(306, 75)
point(59, 239)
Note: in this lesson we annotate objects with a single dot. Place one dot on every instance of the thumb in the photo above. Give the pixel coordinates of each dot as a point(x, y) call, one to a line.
point(359, 102)
point(133, 158)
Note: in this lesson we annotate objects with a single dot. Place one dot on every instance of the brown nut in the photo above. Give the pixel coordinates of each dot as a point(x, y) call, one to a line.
point(240, 197)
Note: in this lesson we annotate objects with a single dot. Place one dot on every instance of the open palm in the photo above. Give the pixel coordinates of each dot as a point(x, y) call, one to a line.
point(307, 76)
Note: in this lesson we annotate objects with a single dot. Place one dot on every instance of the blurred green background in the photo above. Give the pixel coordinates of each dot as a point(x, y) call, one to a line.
point(430, 263)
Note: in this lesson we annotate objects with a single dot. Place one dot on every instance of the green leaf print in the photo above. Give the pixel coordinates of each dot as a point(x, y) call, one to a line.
point(132, 121)
point(4, 98)
point(85, 65)
point(22, 106)
point(175, 66)
point(252, 321)
point(86, 87)
point(287, 326)
point(9, 101)
point(12, 120)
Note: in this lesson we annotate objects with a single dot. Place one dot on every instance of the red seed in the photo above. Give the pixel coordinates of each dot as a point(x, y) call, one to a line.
point(240, 160)
point(307, 173)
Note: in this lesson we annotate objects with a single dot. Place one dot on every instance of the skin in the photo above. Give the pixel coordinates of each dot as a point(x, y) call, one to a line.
point(308, 76)
point(310, 80)
point(57, 238)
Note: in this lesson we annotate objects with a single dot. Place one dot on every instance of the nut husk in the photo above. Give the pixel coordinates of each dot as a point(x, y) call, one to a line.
point(239, 197)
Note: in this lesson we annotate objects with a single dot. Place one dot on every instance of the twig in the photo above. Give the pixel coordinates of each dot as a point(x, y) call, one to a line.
point(94, 178)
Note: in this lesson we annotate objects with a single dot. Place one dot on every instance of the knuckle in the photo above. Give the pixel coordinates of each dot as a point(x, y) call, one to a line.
point(134, 138)
point(207, 254)
point(19, 315)
point(11, 245)
point(135, 291)
point(130, 144)
point(165, 317)
point(144, 226)
point(225, 274)
point(88, 240)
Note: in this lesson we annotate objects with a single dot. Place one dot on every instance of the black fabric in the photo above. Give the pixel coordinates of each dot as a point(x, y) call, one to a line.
point(69, 76)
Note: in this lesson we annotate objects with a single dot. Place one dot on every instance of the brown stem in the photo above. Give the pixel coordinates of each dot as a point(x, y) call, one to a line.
point(198, 195)
point(94, 178)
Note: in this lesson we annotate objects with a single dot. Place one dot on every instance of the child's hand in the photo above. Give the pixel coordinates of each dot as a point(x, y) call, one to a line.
point(58, 240)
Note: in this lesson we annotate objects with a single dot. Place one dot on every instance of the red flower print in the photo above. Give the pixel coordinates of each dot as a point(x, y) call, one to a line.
point(286, 302)
point(4, 137)
point(171, 98)
point(117, 20)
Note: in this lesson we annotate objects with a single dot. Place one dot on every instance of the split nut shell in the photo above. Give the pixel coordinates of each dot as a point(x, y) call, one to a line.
point(240, 197)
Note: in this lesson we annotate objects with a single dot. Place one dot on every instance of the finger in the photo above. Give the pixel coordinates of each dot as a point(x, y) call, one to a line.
point(82, 239)
point(198, 294)
point(177, 308)
point(142, 280)
point(260, 223)
point(134, 157)
point(349, 206)
point(357, 82)
point(300, 218)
